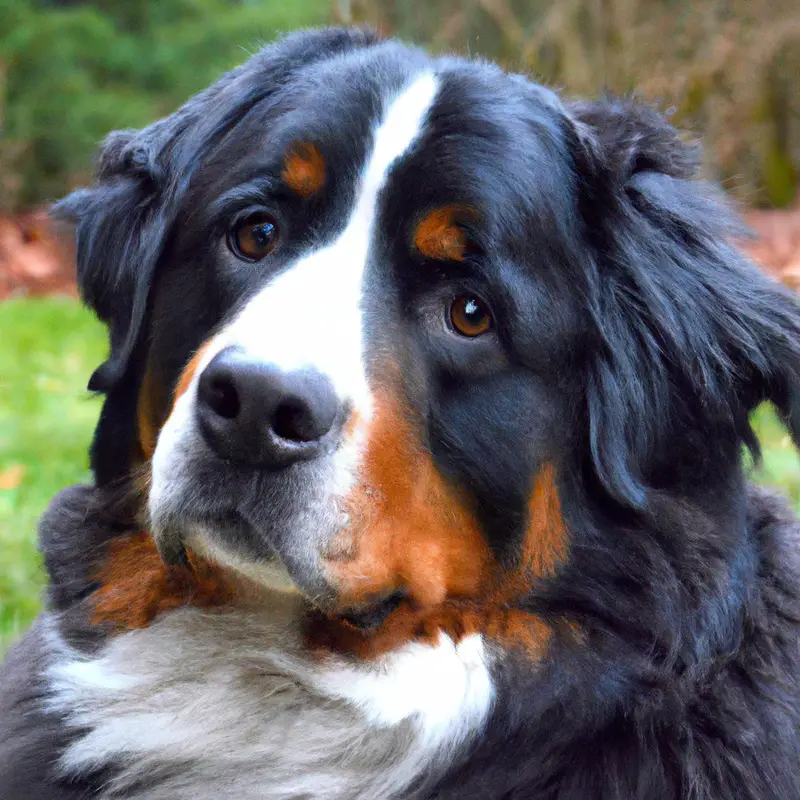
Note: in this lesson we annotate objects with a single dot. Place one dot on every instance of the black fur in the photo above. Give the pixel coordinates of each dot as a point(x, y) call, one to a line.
point(677, 312)
point(632, 343)
point(688, 688)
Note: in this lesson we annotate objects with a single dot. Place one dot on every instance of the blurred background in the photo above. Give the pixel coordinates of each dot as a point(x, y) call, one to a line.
point(72, 70)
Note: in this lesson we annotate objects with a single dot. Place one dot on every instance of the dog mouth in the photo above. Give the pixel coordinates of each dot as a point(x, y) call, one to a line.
point(213, 540)
point(258, 524)
point(371, 616)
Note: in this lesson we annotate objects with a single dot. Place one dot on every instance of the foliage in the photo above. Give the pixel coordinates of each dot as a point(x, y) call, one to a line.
point(728, 69)
point(780, 465)
point(46, 418)
point(71, 72)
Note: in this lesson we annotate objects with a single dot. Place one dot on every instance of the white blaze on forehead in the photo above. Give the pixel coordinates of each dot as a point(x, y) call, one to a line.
point(310, 316)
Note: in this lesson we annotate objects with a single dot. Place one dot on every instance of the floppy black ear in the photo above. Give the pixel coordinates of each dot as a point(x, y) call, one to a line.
point(120, 228)
point(122, 222)
point(689, 336)
point(121, 225)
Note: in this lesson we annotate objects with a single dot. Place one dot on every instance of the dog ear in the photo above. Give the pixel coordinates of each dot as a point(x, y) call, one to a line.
point(689, 335)
point(120, 225)
point(123, 222)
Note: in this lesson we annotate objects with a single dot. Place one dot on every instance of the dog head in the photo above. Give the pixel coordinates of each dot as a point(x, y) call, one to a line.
point(392, 321)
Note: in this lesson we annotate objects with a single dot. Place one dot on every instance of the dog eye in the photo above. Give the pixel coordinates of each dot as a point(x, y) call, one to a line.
point(469, 316)
point(253, 237)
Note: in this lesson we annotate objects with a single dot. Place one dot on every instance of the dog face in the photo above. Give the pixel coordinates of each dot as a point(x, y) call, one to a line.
point(389, 320)
point(373, 404)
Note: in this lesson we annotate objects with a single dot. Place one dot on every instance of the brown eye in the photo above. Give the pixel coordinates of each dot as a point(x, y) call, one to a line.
point(469, 316)
point(253, 237)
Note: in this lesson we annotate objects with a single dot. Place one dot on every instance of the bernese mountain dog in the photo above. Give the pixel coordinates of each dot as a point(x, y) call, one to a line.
point(422, 468)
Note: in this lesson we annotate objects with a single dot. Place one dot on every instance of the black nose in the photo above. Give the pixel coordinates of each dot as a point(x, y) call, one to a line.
point(253, 413)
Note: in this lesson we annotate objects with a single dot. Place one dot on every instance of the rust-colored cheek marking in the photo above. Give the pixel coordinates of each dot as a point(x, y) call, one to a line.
point(148, 412)
point(153, 408)
point(411, 531)
point(439, 236)
point(546, 541)
point(408, 528)
point(135, 586)
point(304, 169)
point(189, 371)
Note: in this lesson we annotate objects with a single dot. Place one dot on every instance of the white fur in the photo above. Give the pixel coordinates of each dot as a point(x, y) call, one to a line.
point(230, 706)
point(445, 686)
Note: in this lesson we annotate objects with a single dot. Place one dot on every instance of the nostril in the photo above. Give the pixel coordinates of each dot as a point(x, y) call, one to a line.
point(292, 421)
point(222, 398)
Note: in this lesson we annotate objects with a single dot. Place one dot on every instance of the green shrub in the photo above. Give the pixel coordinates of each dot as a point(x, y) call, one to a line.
point(71, 72)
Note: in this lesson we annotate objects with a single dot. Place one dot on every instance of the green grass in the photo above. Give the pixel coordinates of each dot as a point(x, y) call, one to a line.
point(48, 349)
point(781, 462)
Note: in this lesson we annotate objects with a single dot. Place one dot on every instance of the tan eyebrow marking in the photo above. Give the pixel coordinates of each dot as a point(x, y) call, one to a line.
point(440, 236)
point(304, 169)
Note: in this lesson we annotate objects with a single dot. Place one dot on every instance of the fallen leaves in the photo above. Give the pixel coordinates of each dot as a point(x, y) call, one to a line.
point(11, 477)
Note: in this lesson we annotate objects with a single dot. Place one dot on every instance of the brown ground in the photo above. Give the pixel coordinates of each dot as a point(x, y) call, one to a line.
point(34, 261)
point(778, 246)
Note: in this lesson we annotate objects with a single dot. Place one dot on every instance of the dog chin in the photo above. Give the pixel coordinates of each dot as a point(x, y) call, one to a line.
point(235, 545)
point(269, 573)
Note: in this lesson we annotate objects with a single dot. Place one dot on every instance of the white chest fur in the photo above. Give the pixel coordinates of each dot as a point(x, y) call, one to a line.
point(229, 706)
